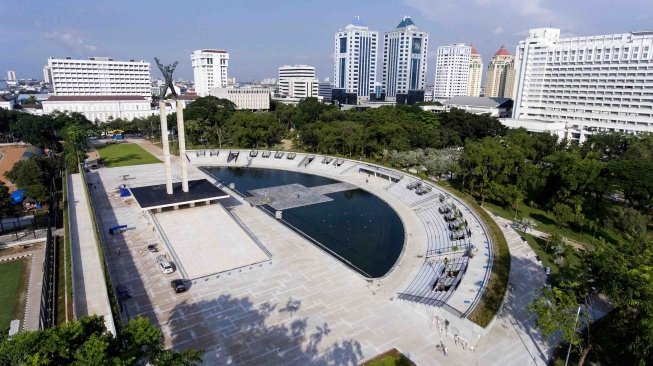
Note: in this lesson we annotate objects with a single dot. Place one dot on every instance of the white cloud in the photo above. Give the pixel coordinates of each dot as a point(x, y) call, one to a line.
point(70, 40)
point(498, 30)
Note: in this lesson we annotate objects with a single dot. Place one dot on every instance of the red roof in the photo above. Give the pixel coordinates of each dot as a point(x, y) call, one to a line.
point(189, 96)
point(93, 98)
point(474, 50)
point(502, 51)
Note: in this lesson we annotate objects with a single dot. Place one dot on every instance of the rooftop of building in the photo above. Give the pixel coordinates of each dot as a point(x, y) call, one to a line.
point(502, 51)
point(8, 97)
point(188, 96)
point(487, 102)
point(474, 50)
point(94, 98)
point(94, 58)
point(297, 66)
point(406, 22)
point(210, 50)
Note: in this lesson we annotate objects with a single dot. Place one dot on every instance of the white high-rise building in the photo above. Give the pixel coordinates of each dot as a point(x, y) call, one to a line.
point(355, 59)
point(209, 70)
point(404, 61)
point(451, 71)
point(99, 76)
point(47, 75)
point(588, 84)
point(11, 78)
point(298, 81)
point(475, 74)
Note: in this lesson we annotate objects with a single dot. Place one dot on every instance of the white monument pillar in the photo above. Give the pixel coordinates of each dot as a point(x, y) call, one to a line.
point(182, 145)
point(166, 147)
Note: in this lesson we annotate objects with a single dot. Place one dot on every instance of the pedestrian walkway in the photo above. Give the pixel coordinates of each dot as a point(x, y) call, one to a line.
point(33, 305)
point(35, 257)
point(526, 276)
point(90, 290)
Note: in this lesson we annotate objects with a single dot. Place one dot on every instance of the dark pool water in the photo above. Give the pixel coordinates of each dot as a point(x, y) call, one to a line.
point(357, 226)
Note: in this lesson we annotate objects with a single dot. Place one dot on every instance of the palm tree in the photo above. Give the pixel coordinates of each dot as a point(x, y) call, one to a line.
point(385, 154)
point(526, 224)
point(394, 156)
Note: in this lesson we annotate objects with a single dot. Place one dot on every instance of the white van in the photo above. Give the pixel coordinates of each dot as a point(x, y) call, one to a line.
point(165, 265)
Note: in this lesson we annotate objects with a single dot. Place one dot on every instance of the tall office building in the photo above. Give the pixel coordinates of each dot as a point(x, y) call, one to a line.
point(46, 74)
point(354, 71)
point(209, 70)
point(404, 63)
point(298, 81)
point(581, 85)
point(500, 76)
point(99, 76)
point(11, 75)
point(452, 66)
point(475, 74)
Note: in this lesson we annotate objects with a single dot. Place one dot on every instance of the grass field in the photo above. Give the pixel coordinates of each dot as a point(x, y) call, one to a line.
point(390, 358)
point(13, 283)
point(122, 154)
point(544, 221)
point(539, 245)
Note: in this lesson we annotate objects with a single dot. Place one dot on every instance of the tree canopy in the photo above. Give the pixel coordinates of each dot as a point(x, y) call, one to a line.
point(87, 342)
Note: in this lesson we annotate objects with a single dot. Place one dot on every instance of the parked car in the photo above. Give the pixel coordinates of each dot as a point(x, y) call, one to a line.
point(152, 248)
point(165, 264)
point(178, 285)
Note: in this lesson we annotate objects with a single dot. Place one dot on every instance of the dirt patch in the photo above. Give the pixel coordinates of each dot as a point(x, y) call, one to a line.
point(287, 144)
point(10, 155)
point(20, 249)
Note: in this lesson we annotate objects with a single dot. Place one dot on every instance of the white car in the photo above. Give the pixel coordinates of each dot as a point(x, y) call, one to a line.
point(164, 263)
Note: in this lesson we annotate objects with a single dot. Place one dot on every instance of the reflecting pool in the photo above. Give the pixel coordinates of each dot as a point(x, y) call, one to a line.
point(356, 227)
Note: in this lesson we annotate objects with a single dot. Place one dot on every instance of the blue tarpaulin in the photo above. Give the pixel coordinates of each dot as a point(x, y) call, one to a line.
point(17, 196)
point(124, 192)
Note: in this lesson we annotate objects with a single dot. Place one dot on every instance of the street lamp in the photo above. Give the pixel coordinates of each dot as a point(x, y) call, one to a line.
point(569, 350)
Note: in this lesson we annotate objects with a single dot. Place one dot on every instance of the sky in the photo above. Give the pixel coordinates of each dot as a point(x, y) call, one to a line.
point(262, 35)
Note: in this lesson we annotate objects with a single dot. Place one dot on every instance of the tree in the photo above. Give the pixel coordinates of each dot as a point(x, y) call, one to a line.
point(563, 214)
point(632, 222)
point(623, 273)
point(26, 173)
point(29, 100)
point(557, 312)
point(211, 114)
point(87, 342)
point(5, 200)
point(308, 111)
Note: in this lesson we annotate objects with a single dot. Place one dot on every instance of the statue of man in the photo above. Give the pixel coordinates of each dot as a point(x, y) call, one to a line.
point(167, 76)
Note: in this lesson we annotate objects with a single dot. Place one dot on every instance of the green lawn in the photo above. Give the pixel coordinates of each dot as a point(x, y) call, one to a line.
point(10, 282)
point(544, 221)
point(123, 154)
point(548, 260)
point(390, 358)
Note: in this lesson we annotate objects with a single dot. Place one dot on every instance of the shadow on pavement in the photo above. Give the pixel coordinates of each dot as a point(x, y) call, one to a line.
point(233, 331)
point(123, 270)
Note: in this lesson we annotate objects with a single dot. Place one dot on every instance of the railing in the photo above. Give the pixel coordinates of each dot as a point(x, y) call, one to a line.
point(48, 311)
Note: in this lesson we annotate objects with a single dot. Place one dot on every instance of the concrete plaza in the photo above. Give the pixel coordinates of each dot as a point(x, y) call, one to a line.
point(304, 306)
point(206, 240)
